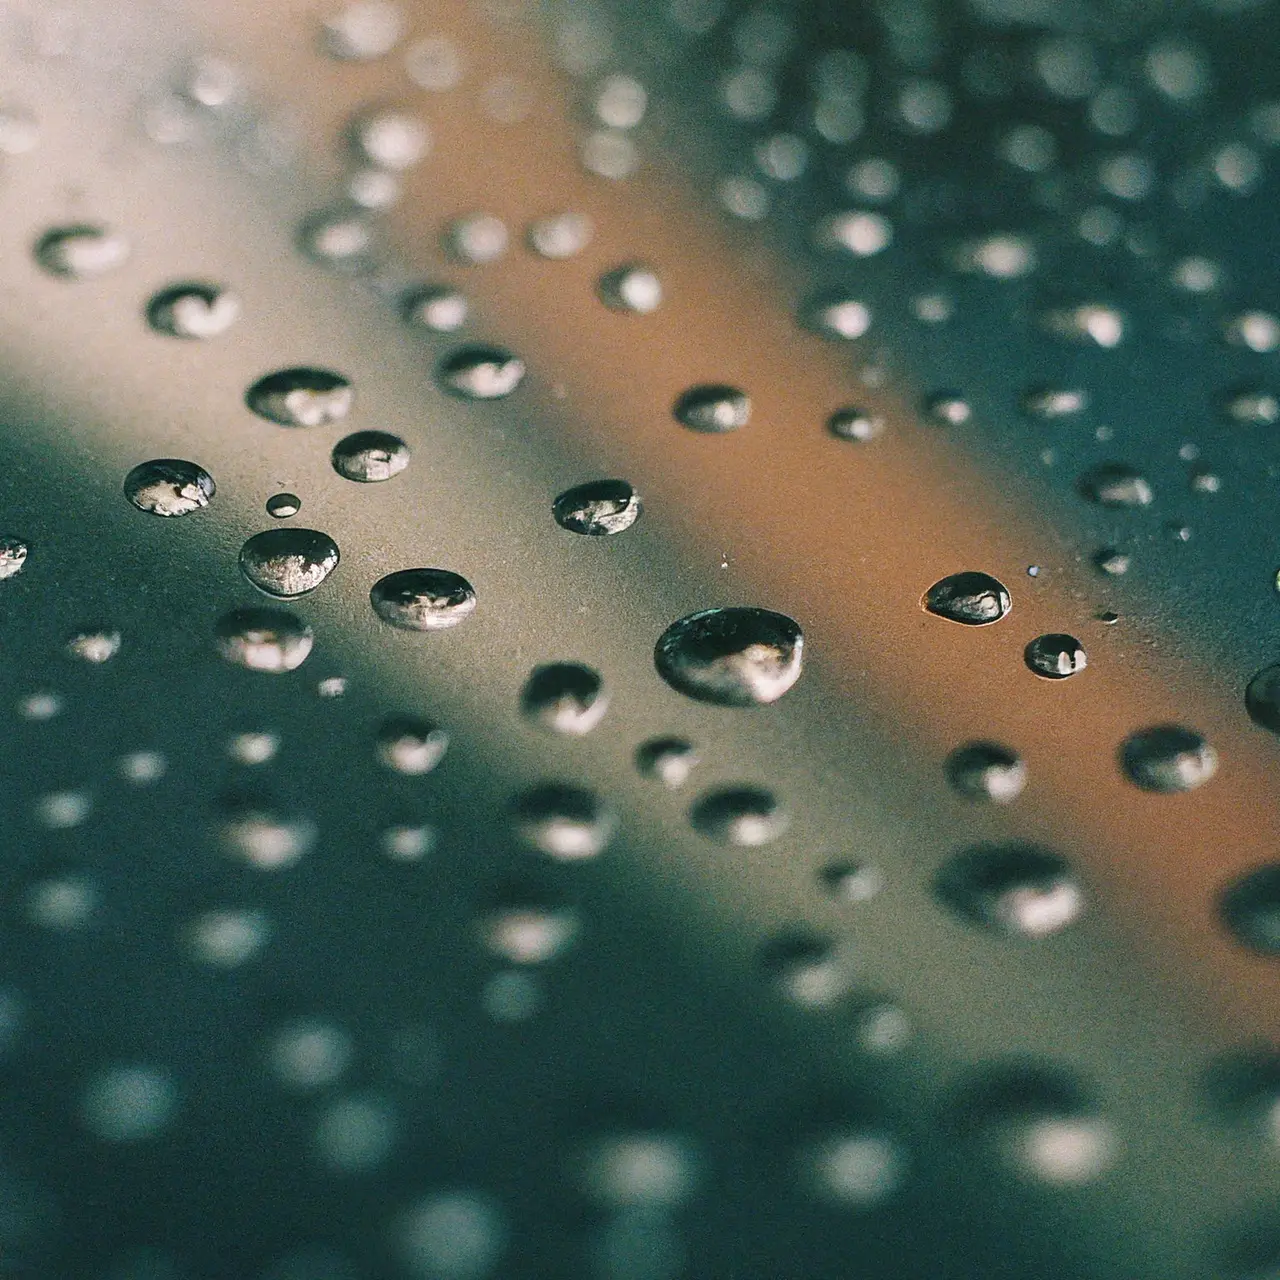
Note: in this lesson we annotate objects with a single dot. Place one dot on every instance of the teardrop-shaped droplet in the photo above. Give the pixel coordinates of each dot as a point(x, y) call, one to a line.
point(263, 639)
point(1015, 889)
point(735, 657)
point(423, 599)
point(480, 373)
point(987, 771)
point(565, 822)
point(1055, 657)
point(13, 557)
point(81, 252)
point(288, 562)
point(1251, 910)
point(598, 508)
point(1115, 485)
point(740, 816)
point(713, 408)
point(193, 310)
point(169, 487)
point(1168, 758)
point(565, 697)
point(370, 457)
point(410, 745)
point(974, 599)
point(301, 397)
point(438, 308)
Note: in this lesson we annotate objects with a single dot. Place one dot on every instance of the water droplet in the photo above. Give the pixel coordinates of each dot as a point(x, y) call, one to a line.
point(598, 508)
point(948, 409)
point(169, 487)
point(341, 239)
point(736, 657)
point(263, 639)
point(269, 841)
point(1115, 485)
point(193, 310)
point(974, 599)
point(528, 928)
point(437, 308)
point(480, 373)
point(836, 316)
point(850, 882)
point(1054, 402)
point(1055, 657)
point(1112, 562)
point(713, 408)
point(390, 139)
point(565, 697)
point(363, 30)
point(81, 252)
point(1168, 758)
point(1251, 910)
point(1015, 889)
point(283, 505)
point(742, 816)
point(288, 562)
point(987, 771)
point(477, 239)
point(560, 235)
point(370, 456)
point(633, 288)
point(301, 397)
point(667, 760)
point(96, 645)
point(423, 599)
point(13, 557)
point(411, 746)
point(565, 822)
point(1252, 407)
point(855, 424)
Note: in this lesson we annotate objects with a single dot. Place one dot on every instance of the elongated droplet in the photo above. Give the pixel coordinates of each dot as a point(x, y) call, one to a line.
point(288, 562)
point(423, 599)
point(169, 487)
point(973, 599)
point(301, 397)
point(735, 657)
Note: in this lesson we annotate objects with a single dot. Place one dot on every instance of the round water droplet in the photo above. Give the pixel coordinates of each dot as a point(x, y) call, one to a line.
point(565, 822)
point(390, 139)
point(81, 252)
point(169, 487)
point(1251, 910)
point(436, 308)
point(741, 816)
point(736, 657)
point(565, 697)
point(1015, 889)
point(667, 760)
point(13, 557)
point(713, 408)
point(263, 639)
point(1168, 758)
point(423, 599)
point(256, 834)
point(283, 505)
point(632, 288)
point(598, 508)
point(973, 599)
point(1055, 657)
point(411, 746)
point(528, 929)
point(370, 456)
point(1115, 485)
point(95, 644)
point(480, 373)
point(855, 424)
point(987, 771)
point(301, 397)
point(193, 310)
point(288, 562)
point(852, 881)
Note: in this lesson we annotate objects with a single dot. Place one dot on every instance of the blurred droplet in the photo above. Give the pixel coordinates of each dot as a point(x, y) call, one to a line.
point(974, 599)
point(301, 397)
point(598, 508)
point(269, 640)
point(370, 456)
point(423, 599)
point(565, 697)
point(1014, 889)
point(742, 816)
point(734, 657)
point(169, 487)
point(1168, 758)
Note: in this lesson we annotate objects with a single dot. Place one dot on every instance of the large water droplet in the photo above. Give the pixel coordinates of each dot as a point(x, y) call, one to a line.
point(80, 252)
point(1055, 657)
point(1016, 889)
point(987, 771)
point(423, 599)
point(1251, 910)
point(301, 397)
point(370, 456)
point(667, 760)
point(565, 822)
point(288, 562)
point(565, 697)
point(263, 639)
point(435, 308)
point(598, 508)
point(411, 746)
point(480, 373)
point(193, 310)
point(1168, 758)
point(631, 288)
point(974, 599)
point(169, 487)
point(736, 657)
point(741, 816)
point(713, 408)
point(1115, 485)
point(13, 557)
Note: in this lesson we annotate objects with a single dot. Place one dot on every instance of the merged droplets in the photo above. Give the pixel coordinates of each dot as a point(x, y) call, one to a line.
point(973, 599)
point(193, 310)
point(288, 562)
point(270, 640)
point(370, 457)
point(1015, 889)
point(565, 697)
point(1115, 485)
point(1168, 758)
point(1055, 657)
point(480, 373)
point(301, 397)
point(81, 252)
point(13, 557)
point(169, 487)
point(632, 288)
point(598, 508)
point(713, 408)
point(742, 816)
point(410, 745)
point(987, 771)
point(1251, 910)
point(423, 599)
point(567, 823)
point(734, 657)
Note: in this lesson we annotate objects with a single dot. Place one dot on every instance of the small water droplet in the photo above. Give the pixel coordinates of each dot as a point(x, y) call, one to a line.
point(667, 760)
point(254, 833)
point(13, 557)
point(851, 882)
point(974, 599)
point(95, 645)
point(81, 252)
point(1055, 657)
point(713, 408)
point(1168, 758)
point(480, 373)
point(283, 505)
point(169, 487)
point(1112, 562)
point(370, 456)
point(1115, 485)
point(598, 508)
point(423, 599)
point(742, 816)
point(855, 424)
point(735, 657)
point(836, 316)
point(565, 697)
point(987, 771)
point(1251, 910)
point(632, 288)
point(390, 139)
point(948, 409)
point(411, 746)
point(288, 562)
point(437, 308)
point(193, 310)
point(263, 639)
point(301, 397)
point(565, 822)
point(560, 235)
point(1015, 889)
